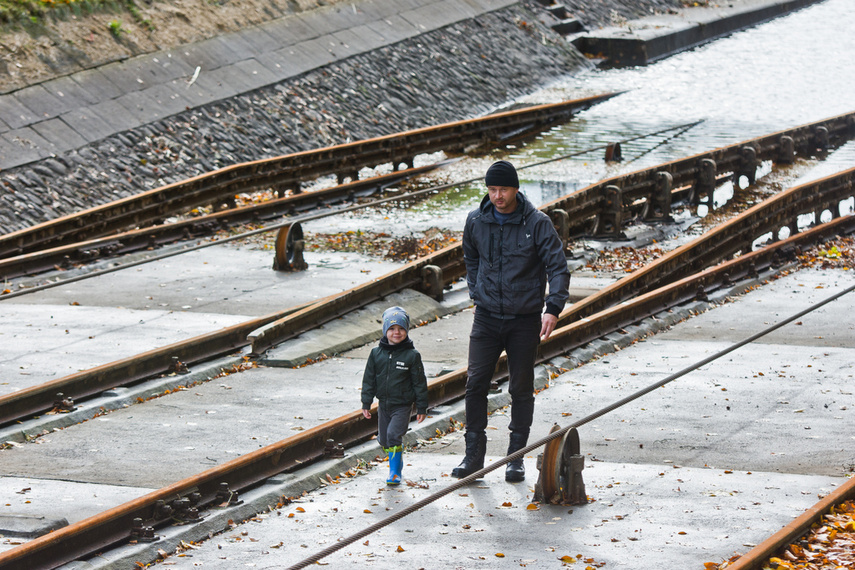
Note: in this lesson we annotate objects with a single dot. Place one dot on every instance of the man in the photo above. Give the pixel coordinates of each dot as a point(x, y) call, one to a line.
point(512, 251)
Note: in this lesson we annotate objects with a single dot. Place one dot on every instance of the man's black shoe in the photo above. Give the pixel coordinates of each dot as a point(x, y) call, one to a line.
point(515, 471)
point(476, 449)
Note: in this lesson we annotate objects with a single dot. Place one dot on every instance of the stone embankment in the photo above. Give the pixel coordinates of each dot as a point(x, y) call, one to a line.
point(453, 73)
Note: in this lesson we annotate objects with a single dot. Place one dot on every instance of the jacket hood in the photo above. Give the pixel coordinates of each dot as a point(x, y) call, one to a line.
point(524, 209)
point(386, 345)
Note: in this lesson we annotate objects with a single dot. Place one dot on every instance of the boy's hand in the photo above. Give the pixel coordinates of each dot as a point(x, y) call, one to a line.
point(366, 414)
point(420, 418)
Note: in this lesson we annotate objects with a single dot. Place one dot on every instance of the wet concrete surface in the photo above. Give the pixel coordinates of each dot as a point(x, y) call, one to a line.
point(778, 409)
point(705, 467)
point(56, 332)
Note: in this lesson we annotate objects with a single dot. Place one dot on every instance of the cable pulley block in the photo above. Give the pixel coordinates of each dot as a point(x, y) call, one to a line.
point(561, 464)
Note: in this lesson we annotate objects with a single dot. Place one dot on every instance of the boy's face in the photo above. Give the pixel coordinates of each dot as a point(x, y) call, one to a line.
point(395, 334)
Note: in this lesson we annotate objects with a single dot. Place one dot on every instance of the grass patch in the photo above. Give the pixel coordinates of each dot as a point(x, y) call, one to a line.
point(31, 15)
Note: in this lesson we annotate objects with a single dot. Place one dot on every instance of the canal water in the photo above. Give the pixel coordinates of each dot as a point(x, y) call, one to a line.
point(790, 71)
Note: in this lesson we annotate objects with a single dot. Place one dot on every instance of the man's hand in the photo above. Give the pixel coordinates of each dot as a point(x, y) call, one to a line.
point(549, 321)
point(366, 414)
point(420, 418)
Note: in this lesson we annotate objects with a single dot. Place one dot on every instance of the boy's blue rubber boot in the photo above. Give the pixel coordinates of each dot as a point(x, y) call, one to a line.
point(396, 464)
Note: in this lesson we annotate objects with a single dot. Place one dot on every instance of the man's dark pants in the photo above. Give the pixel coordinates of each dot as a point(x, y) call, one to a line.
point(519, 337)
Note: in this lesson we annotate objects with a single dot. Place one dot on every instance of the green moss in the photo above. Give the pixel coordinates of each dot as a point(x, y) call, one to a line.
point(35, 15)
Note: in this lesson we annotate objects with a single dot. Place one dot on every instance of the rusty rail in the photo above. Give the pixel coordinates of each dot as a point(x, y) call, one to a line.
point(287, 172)
point(113, 526)
point(36, 399)
point(277, 329)
point(606, 201)
point(736, 235)
point(601, 208)
point(757, 556)
point(127, 242)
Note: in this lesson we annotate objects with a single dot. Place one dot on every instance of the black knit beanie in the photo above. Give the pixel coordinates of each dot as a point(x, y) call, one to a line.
point(502, 173)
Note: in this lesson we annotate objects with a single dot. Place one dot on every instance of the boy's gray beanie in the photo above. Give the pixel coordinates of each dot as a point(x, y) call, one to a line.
point(395, 316)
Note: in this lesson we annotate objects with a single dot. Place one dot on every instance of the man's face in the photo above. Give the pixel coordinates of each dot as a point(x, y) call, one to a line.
point(504, 198)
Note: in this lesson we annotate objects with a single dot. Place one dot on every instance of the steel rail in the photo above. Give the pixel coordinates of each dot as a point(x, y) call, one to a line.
point(33, 400)
point(696, 175)
point(158, 235)
point(288, 172)
point(737, 234)
point(265, 333)
point(755, 558)
point(595, 200)
point(519, 454)
point(113, 526)
point(66, 256)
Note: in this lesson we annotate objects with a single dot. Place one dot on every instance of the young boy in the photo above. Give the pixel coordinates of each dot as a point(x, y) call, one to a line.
point(395, 375)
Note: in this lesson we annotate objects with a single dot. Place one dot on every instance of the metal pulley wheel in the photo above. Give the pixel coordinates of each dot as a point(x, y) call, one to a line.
point(560, 481)
point(289, 249)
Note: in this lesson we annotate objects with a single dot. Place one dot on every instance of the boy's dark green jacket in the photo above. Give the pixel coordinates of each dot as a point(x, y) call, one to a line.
point(395, 375)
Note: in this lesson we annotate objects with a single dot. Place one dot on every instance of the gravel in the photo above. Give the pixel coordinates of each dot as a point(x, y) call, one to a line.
point(458, 72)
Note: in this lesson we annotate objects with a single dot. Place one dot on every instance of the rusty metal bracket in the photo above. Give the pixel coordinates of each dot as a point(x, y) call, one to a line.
point(162, 510)
point(142, 533)
point(747, 166)
point(820, 138)
point(226, 497)
point(184, 510)
point(657, 207)
point(561, 221)
point(63, 403)
point(704, 181)
point(561, 464)
point(432, 282)
point(786, 150)
point(610, 217)
point(333, 449)
point(178, 367)
point(289, 249)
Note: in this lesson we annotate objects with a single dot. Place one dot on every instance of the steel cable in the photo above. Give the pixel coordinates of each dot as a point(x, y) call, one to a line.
point(555, 435)
point(312, 217)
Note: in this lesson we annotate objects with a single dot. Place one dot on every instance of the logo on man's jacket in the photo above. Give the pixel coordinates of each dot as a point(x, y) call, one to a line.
point(401, 366)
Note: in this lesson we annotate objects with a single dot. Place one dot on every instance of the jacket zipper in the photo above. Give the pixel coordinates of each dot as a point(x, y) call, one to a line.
point(501, 258)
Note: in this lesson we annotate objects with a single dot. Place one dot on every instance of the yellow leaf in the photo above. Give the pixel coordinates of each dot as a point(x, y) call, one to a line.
point(499, 555)
point(507, 504)
point(567, 559)
point(400, 549)
point(367, 511)
point(533, 507)
point(301, 510)
point(290, 515)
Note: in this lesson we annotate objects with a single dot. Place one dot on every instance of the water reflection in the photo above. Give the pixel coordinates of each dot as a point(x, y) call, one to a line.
point(781, 74)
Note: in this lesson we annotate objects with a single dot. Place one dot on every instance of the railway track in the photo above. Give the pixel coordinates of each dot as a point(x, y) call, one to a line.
point(220, 484)
point(73, 254)
point(431, 274)
point(286, 173)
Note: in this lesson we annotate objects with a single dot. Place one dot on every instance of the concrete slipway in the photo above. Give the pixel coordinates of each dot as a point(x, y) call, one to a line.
point(696, 471)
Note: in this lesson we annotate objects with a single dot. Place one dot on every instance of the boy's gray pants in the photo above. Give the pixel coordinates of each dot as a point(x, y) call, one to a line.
point(392, 422)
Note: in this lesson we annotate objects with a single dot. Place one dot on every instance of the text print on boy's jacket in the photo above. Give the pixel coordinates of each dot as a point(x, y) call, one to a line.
point(393, 375)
